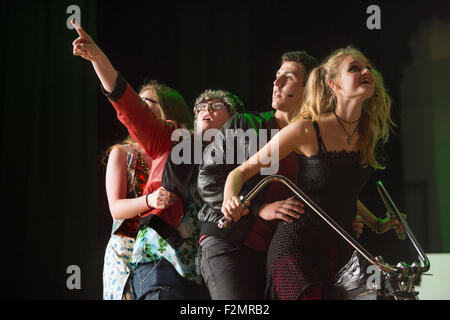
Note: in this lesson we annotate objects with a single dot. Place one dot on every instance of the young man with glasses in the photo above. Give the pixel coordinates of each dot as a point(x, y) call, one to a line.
point(212, 109)
point(209, 106)
point(180, 241)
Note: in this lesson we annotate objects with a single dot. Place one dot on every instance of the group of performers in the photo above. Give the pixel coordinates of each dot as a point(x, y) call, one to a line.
point(165, 243)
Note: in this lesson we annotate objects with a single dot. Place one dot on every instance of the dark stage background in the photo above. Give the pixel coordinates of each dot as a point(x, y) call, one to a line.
point(56, 125)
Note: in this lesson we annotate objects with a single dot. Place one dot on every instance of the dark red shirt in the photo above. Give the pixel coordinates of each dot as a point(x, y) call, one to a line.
point(262, 231)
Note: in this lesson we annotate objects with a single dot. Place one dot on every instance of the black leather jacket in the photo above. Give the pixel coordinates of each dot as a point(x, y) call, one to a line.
point(215, 168)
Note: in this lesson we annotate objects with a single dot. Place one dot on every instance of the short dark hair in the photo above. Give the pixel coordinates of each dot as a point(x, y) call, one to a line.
point(231, 101)
point(302, 57)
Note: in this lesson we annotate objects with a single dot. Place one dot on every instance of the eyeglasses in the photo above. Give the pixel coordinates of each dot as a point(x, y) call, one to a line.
point(149, 100)
point(214, 106)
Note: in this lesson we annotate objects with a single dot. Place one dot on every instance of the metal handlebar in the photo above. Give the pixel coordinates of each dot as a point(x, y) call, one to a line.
point(223, 223)
point(393, 210)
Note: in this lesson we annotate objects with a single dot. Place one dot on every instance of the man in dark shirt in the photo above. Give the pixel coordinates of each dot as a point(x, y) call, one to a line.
point(233, 261)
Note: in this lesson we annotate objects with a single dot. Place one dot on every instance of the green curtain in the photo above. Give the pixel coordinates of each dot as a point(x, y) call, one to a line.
point(49, 153)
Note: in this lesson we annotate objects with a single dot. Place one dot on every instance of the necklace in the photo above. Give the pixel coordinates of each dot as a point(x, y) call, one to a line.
point(343, 120)
point(349, 136)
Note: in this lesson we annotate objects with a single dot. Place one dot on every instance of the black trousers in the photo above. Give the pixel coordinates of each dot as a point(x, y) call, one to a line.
point(232, 272)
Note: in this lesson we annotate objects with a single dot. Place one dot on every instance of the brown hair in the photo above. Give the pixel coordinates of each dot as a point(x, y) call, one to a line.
point(171, 102)
point(231, 101)
point(172, 105)
point(302, 57)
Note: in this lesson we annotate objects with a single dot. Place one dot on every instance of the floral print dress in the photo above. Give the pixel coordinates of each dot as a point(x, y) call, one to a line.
point(150, 246)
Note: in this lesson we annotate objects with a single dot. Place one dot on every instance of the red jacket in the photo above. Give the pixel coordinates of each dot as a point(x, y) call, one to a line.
point(154, 136)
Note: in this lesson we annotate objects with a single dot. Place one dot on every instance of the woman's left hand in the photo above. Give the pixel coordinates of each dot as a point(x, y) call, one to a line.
point(233, 209)
point(388, 224)
point(358, 226)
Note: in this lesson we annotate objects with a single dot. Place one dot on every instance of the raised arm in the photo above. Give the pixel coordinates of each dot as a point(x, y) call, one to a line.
point(85, 47)
point(151, 133)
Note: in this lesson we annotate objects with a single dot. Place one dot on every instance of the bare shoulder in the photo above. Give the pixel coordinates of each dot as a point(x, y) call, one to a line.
point(303, 135)
point(118, 153)
point(302, 128)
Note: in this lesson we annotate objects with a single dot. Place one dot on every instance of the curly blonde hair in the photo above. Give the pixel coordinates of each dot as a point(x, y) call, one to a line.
point(375, 122)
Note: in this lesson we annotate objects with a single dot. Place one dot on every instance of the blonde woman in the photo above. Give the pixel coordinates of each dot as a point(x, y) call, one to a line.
point(344, 115)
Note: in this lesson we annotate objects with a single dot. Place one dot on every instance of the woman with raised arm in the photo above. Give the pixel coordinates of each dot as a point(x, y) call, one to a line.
point(127, 172)
point(344, 116)
point(165, 267)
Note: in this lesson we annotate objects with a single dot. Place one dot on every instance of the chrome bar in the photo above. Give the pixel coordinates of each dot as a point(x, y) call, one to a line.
point(223, 223)
point(393, 210)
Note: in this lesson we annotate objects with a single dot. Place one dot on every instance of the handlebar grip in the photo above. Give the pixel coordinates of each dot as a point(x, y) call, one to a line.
point(223, 222)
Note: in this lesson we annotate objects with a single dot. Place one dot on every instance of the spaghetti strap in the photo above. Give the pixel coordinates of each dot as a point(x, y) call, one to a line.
point(322, 147)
